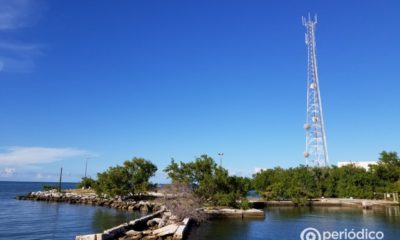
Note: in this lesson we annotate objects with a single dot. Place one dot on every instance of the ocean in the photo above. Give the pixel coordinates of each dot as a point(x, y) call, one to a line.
point(28, 220)
point(22, 219)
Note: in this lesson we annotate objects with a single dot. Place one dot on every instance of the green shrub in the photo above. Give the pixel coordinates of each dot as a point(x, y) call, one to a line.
point(244, 204)
point(225, 199)
point(210, 181)
point(86, 183)
point(130, 179)
point(50, 187)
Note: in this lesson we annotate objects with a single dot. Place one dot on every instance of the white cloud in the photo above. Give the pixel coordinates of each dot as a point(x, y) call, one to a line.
point(17, 56)
point(20, 47)
point(7, 172)
point(18, 13)
point(14, 15)
point(258, 169)
point(42, 176)
point(37, 155)
point(16, 64)
point(39, 176)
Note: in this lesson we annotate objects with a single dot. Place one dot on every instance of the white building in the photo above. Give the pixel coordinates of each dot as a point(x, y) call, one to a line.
point(363, 164)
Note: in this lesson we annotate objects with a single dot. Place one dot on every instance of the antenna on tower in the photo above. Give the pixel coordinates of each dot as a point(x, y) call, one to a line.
point(316, 152)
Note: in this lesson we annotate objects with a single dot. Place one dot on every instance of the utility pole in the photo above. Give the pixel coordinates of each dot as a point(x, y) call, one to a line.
point(86, 165)
point(59, 187)
point(316, 152)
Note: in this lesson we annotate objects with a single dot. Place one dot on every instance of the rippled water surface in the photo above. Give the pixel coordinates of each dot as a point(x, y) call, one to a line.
point(288, 223)
point(41, 220)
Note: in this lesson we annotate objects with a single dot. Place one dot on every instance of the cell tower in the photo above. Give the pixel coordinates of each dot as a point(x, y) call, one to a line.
point(316, 152)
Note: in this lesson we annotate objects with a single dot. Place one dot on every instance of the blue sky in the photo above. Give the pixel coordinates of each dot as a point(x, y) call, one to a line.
point(111, 80)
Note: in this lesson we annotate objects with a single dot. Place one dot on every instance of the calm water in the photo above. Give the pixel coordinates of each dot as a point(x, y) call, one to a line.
point(288, 223)
point(41, 220)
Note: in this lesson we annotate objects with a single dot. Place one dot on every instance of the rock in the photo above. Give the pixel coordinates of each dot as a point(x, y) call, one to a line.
point(137, 237)
point(133, 233)
point(103, 236)
point(153, 222)
point(366, 205)
point(133, 222)
point(167, 214)
point(147, 232)
point(167, 230)
point(144, 208)
point(254, 213)
point(179, 233)
point(118, 230)
point(228, 212)
point(156, 207)
point(86, 237)
point(162, 223)
point(149, 237)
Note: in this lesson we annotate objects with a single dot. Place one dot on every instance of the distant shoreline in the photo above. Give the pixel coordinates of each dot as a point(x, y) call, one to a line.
point(325, 202)
point(38, 182)
point(92, 199)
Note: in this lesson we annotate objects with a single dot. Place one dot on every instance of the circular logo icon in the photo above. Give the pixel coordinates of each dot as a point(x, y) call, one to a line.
point(310, 234)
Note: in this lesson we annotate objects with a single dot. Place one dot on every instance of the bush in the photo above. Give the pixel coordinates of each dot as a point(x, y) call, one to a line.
point(209, 181)
point(132, 178)
point(86, 183)
point(225, 199)
point(299, 201)
point(50, 187)
point(244, 204)
point(302, 183)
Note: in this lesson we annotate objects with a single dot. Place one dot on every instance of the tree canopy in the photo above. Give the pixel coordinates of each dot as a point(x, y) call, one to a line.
point(213, 184)
point(301, 183)
point(209, 181)
point(132, 178)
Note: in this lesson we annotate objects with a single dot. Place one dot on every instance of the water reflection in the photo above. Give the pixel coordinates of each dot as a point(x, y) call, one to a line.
point(393, 211)
point(288, 222)
point(104, 218)
point(223, 229)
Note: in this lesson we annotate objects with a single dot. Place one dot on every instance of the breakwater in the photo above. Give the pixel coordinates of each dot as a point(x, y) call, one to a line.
point(91, 199)
point(160, 224)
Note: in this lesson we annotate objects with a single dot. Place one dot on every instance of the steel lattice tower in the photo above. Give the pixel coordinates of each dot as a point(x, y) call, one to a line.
point(316, 152)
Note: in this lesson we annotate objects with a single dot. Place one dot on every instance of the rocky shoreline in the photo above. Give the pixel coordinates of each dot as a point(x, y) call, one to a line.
point(91, 199)
point(160, 224)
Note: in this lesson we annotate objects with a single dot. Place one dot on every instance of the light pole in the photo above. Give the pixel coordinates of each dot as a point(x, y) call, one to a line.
point(221, 156)
point(86, 165)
